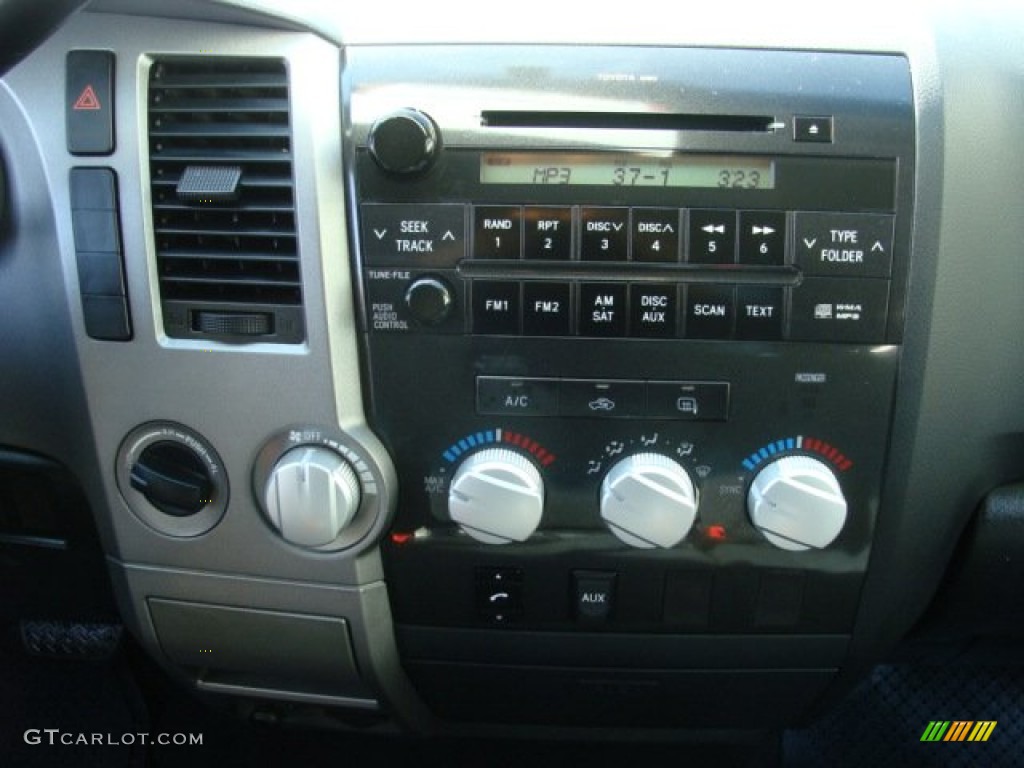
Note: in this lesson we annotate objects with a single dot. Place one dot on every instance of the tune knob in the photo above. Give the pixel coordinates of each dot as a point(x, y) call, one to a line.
point(797, 503)
point(312, 493)
point(497, 496)
point(429, 300)
point(648, 500)
point(404, 142)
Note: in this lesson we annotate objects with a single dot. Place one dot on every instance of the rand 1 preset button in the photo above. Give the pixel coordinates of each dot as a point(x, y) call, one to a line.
point(497, 231)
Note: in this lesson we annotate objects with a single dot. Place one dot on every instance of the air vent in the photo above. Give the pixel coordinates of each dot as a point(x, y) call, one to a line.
point(223, 202)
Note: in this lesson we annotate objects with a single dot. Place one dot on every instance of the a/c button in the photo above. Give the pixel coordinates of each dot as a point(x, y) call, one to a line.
point(512, 396)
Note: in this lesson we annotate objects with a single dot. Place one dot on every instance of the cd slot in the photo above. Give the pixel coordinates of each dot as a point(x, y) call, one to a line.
point(526, 269)
point(650, 121)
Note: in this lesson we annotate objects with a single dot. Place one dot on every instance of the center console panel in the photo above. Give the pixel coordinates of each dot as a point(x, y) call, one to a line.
point(632, 324)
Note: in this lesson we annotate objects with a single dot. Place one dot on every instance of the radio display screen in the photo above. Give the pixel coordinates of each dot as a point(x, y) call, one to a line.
point(596, 169)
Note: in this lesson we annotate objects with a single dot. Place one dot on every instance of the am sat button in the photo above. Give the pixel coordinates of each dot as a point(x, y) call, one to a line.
point(688, 400)
point(843, 310)
point(602, 399)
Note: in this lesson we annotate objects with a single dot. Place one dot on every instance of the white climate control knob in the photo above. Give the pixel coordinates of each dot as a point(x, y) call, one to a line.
point(312, 493)
point(648, 500)
point(497, 496)
point(797, 503)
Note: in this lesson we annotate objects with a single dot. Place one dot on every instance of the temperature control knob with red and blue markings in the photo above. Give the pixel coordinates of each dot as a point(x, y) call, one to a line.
point(797, 503)
point(497, 496)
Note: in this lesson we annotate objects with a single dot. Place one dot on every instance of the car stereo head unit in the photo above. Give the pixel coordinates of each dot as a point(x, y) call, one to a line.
point(631, 328)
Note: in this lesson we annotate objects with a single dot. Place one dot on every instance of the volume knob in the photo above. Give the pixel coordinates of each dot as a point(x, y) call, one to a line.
point(797, 503)
point(497, 497)
point(404, 142)
point(312, 494)
point(648, 500)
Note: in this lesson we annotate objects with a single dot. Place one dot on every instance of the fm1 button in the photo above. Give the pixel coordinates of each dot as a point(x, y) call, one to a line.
point(593, 596)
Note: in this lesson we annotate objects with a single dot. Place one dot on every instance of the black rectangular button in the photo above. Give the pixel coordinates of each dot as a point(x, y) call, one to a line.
point(779, 599)
point(93, 189)
point(712, 237)
point(605, 234)
point(602, 309)
point(593, 594)
point(413, 235)
point(688, 400)
point(499, 595)
point(100, 274)
point(656, 234)
point(106, 318)
point(841, 309)
point(653, 311)
point(89, 102)
point(844, 244)
point(709, 311)
point(547, 233)
point(602, 399)
point(510, 396)
point(496, 307)
point(813, 129)
point(759, 312)
point(763, 238)
point(688, 599)
point(547, 309)
point(497, 231)
point(96, 231)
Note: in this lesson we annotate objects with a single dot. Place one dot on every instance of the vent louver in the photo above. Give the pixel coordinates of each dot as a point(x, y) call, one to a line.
point(223, 202)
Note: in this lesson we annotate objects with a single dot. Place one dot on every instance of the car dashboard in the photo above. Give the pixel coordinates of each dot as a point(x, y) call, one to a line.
point(575, 374)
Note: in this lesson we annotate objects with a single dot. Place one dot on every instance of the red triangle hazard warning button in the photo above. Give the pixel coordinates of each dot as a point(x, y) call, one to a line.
point(87, 101)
